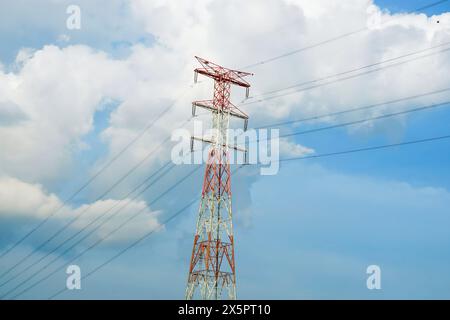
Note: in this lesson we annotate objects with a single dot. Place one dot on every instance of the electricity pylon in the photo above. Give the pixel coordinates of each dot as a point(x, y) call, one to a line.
point(212, 267)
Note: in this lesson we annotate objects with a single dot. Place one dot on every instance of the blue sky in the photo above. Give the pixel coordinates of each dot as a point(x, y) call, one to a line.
point(408, 6)
point(308, 232)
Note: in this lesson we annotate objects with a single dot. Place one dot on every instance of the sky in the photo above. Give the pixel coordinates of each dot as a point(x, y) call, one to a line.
point(71, 100)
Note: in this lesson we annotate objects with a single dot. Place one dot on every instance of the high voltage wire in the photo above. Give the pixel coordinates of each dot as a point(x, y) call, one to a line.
point(298, 133)
point(110, 217)
point(303, 132)
point(286, 135)
point(323, 155)
point(96, 243)
point(384, 116)
point(346, 124)
point(58, 232)
point(152, 123)
point(318, 44)
point(371, 106)
point(345, 78)
point(164, 112)
point(370, 148)
point(363, 120)
point(126, 147)
point(135, 243)
point(290, 53)
point(350, 71)
point(84, 228)
point(88, 182)
point(430, 5)
point(386, 146)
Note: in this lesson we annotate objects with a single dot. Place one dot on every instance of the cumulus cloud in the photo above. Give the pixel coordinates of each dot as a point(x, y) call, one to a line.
point(50, 94)
point(10, 113)
point(137, 226)
point(207, 29)
point(214, 29)
point(19, 199)
point(59, 90)
point(292, 149)
point(58, 93)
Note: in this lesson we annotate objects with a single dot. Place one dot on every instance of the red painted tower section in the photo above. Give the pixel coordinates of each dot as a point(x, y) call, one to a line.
point(212, 269)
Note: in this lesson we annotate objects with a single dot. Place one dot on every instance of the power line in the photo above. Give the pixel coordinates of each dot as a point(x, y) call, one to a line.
point(67, 225)
point(59, 246)
point(108, 235)
point(99, 241)
point(88, 182)
point(320, 129)
point(431, 5)
point(290, 53)
point(346, 78)
point(386, 146)
point(371, 106)
point(135, 243)
point(98, 218)
point(345, 124)
point(379, 147)
point(318, 44)
point(158, 117)
point(151, 124)
point(350, 71)
point(89, 224)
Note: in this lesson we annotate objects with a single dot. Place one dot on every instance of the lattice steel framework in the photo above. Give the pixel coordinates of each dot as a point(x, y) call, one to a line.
point(212, 267)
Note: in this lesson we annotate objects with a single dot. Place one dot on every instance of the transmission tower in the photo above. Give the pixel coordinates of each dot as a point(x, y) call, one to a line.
point(212, 266)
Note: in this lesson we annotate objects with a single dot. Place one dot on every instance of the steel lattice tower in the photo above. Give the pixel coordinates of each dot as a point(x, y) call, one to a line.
point(212, 266)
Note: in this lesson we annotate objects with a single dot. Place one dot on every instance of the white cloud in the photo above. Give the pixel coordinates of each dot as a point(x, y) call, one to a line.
point(22, 200)
point(64, 38)
point(10, 113)
point(18, 198)
point(60, 89)
point(23, 55)
point(234, 34)
point(138, 225)
point(292, 149)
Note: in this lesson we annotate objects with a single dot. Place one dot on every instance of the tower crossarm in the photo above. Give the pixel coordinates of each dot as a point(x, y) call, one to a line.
point(219, 73)
point(211, 141)
point(209, 105)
